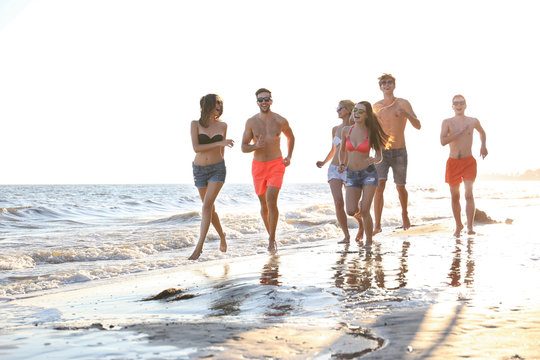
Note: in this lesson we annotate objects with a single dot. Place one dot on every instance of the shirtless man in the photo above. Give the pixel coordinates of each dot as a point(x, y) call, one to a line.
point(461, 165)
point(268, 165)
point(393, 114)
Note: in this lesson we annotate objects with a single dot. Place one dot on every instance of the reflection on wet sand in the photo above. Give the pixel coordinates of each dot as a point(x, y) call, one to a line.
point(270, 272)
point(365, 270)
point(455, 268)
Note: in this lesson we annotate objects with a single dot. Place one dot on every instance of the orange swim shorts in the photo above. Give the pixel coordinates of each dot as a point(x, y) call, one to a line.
point(267, 173)
point(458, 170)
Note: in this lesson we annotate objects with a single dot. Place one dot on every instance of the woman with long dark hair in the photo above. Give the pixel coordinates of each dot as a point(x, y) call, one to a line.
point(208, 137)
point(361, 182)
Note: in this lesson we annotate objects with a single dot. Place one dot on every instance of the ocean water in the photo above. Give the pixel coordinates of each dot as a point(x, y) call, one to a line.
point(52, 236)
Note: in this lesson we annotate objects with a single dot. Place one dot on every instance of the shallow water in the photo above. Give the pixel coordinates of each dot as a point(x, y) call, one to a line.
point(54, 236)
point(309, 287)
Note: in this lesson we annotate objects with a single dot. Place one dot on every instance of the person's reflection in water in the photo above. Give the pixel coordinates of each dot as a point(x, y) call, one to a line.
point(455, 268)
point(280, 301)
point(231, 295)
point(357, 274)
point(339, 276)
point(469, 265)
point(403, 268)
point(270, 272)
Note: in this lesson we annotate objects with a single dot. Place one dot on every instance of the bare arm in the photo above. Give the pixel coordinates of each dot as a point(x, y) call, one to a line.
point(247, 137)
point(331, 153)
point(343, 151)
point(378, 157)
point(407, 108)
point(225, 141)
point(197, 147)
point(483, 149)
point(287, 131)
point(446, 137)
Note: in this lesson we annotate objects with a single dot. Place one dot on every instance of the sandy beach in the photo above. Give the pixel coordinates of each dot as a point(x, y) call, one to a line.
point(420, 294)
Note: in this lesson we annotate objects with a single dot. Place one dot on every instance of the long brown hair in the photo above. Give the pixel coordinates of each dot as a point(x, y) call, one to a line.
point(208, 104)
point(377, 136)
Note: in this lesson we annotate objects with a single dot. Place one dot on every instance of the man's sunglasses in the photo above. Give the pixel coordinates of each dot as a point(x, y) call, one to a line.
point(261, 99)
point(387, 82)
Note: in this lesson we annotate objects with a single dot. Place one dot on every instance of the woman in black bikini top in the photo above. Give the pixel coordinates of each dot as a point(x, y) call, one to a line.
point(208, 137)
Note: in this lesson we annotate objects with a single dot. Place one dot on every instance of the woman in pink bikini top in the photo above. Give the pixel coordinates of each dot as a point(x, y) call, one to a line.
point(362, 179)
point(364, 135)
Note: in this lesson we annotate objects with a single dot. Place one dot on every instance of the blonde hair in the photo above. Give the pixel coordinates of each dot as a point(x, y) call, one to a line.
point(386, 76)
point(347, 104)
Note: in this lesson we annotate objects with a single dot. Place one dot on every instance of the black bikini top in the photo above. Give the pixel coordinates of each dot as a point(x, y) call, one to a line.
point(205, 139)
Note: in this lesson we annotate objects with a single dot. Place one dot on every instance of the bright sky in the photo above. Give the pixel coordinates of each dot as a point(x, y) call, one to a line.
point(103, 91)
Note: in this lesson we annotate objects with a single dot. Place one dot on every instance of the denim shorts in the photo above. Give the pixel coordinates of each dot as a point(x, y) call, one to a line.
point(203, 174)
point(397, 160)
point(365, 177)
point(333, 173)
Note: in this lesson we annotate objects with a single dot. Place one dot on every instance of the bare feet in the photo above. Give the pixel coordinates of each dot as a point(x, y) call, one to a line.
point(223, 244)
point(470, 231)
point(406, 222)
point(196, 253)
point(345, 240)
point(376, 230)
point(360, 234)
point(458, 230)
point(272, 247)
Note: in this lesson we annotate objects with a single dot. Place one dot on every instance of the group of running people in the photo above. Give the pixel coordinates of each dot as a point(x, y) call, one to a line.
point(365, 130)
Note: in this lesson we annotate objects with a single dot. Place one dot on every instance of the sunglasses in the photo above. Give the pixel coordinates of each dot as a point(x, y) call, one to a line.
point(387, 82)
point(339, 108)
point(360, 111)
point(266, 98)
point(459, 103)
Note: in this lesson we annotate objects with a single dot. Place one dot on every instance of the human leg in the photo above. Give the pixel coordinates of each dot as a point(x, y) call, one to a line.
point(403, 200)
point(382, 172)
point(264, 210)
point(272, 193)
point(456, 209)
point(470, 207)
point(378, 207)
point(208, 196)
point(399, 170)
point(368, 192)
point(336, 186)
point(352, 197)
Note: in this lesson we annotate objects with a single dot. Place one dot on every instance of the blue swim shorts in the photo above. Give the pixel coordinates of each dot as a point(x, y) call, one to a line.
point(365, 177)
point(397, 160)
point(203, 174)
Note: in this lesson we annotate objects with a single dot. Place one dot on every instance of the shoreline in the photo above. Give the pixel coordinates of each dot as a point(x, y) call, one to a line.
point(412, 295)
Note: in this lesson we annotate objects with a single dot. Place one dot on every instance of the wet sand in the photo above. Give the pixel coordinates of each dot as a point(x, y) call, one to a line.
point(417, 294)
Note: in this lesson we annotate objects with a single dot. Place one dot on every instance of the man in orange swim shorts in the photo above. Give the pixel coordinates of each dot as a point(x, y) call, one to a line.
point(268, 167)
point(461, 165)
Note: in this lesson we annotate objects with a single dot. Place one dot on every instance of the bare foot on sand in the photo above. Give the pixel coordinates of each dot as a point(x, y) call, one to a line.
point(470, 231)
point(406, 222)
point(457, 233)
point(376, 230)
point(196, 253)
point(272, 247)
point(223, 244)
point(345, 240)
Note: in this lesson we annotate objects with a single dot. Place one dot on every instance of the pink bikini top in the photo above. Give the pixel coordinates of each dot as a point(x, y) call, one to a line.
point(362, 147)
